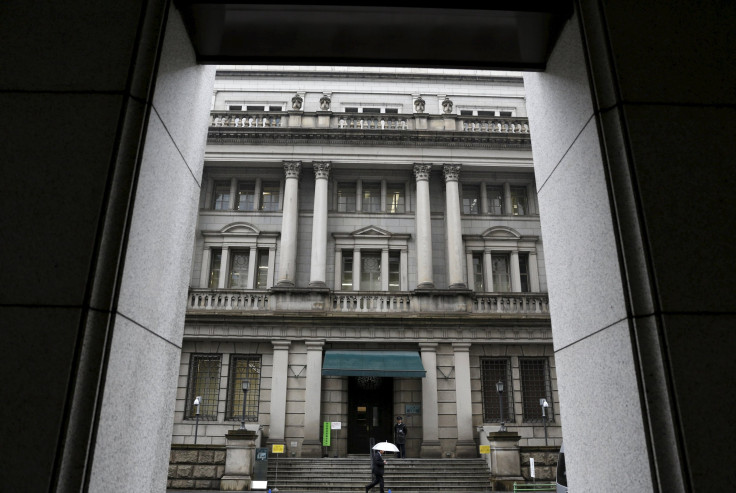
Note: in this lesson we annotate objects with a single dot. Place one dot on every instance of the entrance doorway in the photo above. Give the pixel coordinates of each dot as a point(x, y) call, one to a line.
point(370, 412)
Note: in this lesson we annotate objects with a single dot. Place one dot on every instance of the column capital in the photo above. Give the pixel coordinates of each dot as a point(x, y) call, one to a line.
point(452, 171)
point(322, 169)
point(314, 345)
point(282, 345)
point(421, 171)
point(429, 347)
point(459, 347)
point(292, 169)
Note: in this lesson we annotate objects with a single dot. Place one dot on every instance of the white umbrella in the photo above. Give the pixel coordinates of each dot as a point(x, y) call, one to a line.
point(386, 447)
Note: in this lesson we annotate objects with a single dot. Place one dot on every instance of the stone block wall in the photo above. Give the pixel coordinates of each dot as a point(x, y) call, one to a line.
point(196, 467)
point(545, 463)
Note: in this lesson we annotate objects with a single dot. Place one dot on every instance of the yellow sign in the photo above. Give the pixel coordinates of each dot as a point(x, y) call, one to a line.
point(485, 449)
point(277, 448)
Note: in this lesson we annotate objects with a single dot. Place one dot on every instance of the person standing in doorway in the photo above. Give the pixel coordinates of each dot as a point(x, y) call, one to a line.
point(377, 470)
point(400, 431)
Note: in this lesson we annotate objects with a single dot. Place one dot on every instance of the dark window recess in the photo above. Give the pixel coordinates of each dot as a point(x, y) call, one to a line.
point(487, 113)
point(371, 110)
point(392, 110)
point(351, 110)
point(505, 113)
point(466, 112)
point(256, 108)
point(275, 108)
point(236, 107)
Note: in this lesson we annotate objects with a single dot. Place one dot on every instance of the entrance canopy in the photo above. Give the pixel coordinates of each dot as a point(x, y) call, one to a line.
point(405, 364)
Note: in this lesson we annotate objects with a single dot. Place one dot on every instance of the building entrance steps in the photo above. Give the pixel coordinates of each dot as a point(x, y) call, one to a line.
point(352, 474)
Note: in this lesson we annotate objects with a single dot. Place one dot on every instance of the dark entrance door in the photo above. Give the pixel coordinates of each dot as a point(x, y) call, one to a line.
point(370, 405)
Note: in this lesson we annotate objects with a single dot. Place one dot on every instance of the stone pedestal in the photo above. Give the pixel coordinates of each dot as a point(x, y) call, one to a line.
point(505, 460)
point(466, 449)
point(239, 456)
point(431, 449)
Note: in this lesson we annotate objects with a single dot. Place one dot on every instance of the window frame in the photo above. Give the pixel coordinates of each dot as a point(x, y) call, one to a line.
point(209, 403)
point(531, 410)
point(489, 396)
point(234, 400)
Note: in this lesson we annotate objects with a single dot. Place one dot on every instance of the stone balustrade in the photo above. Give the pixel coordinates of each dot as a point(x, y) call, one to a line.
point(208, 300)
point(367, 121)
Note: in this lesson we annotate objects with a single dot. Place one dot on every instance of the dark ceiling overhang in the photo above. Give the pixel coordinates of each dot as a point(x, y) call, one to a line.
point(500, 35)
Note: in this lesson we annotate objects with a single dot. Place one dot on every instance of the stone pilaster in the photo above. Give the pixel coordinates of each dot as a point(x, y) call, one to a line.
point(290, 218)
point(466, 446)
point(453, 227)
point(318, 272)
point(424, 228)
point(430, 447)
point(279, 382)
point(312, 445)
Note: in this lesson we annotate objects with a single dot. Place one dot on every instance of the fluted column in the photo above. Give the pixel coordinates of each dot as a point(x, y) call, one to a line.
point(424, 227)
point(430, 418)
point(318, 272)
point(312, 445)
point(453, 227)
point(290, 217)
point(465, 444)
point(279, 377)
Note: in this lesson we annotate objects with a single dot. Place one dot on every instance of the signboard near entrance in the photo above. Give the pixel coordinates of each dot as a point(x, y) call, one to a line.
point(413, 409)
point(326, 436)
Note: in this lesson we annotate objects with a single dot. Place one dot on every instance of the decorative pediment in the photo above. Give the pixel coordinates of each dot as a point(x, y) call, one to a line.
point(371, 231)
point(240, 229)
point(501, 232)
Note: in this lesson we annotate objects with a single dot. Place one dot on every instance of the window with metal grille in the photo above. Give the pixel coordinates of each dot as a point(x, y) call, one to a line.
point(204, 382)
point(535, 385)
point(243, 367)
point(491, 371)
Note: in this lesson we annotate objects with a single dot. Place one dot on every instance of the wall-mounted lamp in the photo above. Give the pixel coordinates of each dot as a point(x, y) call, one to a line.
point(197, 402)
point(246, 386)
point(499, 389)
point(543, 402)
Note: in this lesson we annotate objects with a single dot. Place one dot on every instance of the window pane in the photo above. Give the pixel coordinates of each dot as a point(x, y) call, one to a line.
point(215, 260)
point(270, 197)
point(204, 382)
point(243, 368)
point(246, 196)
point(495, 200)
point(346, 197)
point(535, 385)
point(491, 371)
point(371, 197)
point(395, 198)
point(518, 201)
point(501, 274)
point(471, 199)
point(478, 272)
point(221, 196)
point(347, 271)
point(239, 269)
point(524, 272)
point(370, 271)
point(262, 273)
point(394, 271)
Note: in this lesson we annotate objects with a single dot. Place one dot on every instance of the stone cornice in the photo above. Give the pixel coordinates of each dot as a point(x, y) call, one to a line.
point(335, 136)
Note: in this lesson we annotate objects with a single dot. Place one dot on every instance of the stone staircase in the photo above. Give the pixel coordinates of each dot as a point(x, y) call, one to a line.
point(352, 474)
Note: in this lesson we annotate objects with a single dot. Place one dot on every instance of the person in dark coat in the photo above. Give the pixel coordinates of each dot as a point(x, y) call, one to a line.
point(377, 470)
point(400, 431)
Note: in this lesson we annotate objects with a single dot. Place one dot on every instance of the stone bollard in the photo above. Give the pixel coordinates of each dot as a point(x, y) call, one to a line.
point(240, 454)
point(505, 459)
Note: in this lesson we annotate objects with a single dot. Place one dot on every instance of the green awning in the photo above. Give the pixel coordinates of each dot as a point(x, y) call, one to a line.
point(406, 364)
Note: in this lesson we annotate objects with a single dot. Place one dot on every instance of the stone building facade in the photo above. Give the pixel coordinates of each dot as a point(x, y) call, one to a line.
point(368, 245)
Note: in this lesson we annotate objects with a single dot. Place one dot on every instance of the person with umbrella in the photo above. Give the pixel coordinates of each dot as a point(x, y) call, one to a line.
point(377, 463)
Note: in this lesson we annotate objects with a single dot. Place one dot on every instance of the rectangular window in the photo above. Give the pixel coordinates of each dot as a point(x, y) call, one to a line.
point(524, 272)
point(395, 198)
point(370, 271)
point(347, 271)
point(270, 192)
point(471, 199)
point(351, 110)
point(246, 196)
point(236, 107)
point(371, 197)
point(239, 260)
point(501, 273)
point(518, 201)
point(215, 260)
point(495, 200)
point(392, 110)
point(478, 285)
point(394, 271)
point(346, 197)
point(493, 370)
point(221, 196)
point(466, 112)
point(505, 113)
point(256, 108)
point(371, 110)
point(535, 385)
point(262, 272)
point(486, 113)
point(275, 108)
point(243, 367)
point(204, 382)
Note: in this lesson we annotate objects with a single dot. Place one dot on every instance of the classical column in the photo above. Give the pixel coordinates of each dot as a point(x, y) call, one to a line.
point(312, 445)
point(356, 269)
point(488, 270)
point(257, 194)
point(338, 269)
point(233, 193)
point(318, 270)
point(224, 261)
point(507, 210)
point(465, 444)
point(404, 266)
point(278, 391)
point(430, 447)
point(424, 227)
point(290, 217)
point(252, 267)
point(515, 273)
point(483, 198)
point(204, 273)
point(533, 272)
point(271, 266)
point(384, 269)
point(453, 227)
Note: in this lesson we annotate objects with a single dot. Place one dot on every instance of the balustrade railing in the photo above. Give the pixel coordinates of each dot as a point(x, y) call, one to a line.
point(247, 119)
point(368, 122)
point(496, 125)
point(210, 300)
